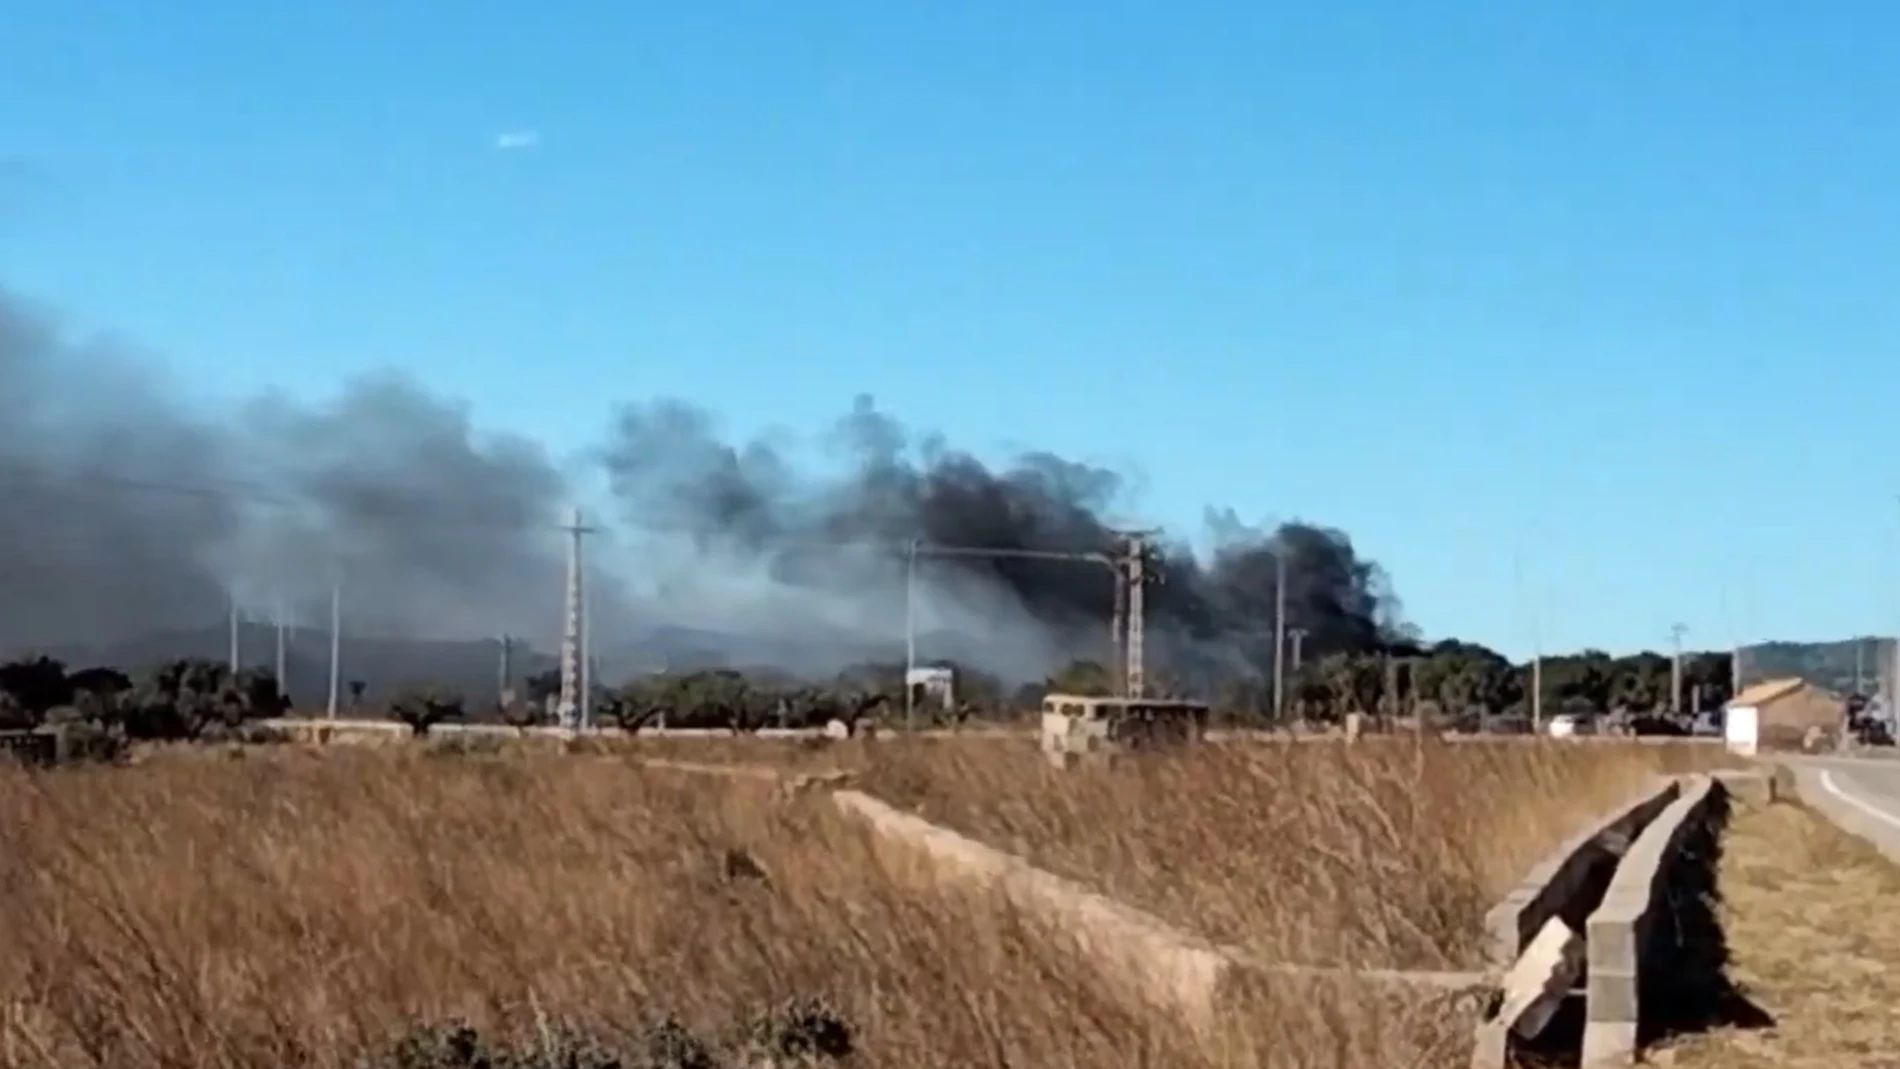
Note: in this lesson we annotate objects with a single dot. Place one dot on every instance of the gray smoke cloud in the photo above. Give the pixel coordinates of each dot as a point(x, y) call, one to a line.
point(130, 513)
point(127, 513)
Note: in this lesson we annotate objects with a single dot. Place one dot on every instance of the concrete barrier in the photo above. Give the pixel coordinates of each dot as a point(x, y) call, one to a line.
point(1144, 955)
point(1554, 900)
point(1571, 879)
point(1631, 937)
point(339, 730)
point(1156, 963)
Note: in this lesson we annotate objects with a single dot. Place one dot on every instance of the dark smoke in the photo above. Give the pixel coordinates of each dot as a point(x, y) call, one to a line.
point(749, 505)
point(127, 513)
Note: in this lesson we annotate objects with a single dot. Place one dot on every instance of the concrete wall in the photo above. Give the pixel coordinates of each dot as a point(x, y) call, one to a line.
point(1636, 956)
point(1566, 886)
point(1144, 955)
point(1570, 880)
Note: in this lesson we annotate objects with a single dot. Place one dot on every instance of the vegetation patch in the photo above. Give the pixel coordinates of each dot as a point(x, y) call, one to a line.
point(798, 1035)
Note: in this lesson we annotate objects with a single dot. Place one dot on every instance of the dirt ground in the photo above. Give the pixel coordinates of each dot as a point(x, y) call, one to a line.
point(1812, 919)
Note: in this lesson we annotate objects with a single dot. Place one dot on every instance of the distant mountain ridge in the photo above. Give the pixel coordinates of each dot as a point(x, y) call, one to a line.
point(1864, 663)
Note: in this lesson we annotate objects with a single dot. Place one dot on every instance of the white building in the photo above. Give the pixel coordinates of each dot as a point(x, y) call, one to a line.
point(932, 685)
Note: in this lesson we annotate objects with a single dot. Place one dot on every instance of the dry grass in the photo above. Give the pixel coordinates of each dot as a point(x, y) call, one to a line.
point(798, 755)
point(301, 910)
point(1383, 853)
point(298, 908)
point(1810, 918)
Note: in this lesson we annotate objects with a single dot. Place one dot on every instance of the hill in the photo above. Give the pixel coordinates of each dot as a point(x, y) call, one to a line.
point(1844, 666)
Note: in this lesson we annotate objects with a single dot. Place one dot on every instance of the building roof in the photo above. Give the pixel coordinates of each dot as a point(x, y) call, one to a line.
point(1768, 690)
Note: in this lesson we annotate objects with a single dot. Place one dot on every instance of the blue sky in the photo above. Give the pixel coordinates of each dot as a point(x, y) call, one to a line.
point(1601, 294)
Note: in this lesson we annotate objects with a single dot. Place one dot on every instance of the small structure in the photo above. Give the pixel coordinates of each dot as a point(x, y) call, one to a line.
point(932, 686)
point(1075, 726)
point(34, 747)
point(1784, 714)
point(1355, 725)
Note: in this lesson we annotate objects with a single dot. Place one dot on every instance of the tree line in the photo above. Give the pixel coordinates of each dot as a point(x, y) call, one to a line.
point(196, 698)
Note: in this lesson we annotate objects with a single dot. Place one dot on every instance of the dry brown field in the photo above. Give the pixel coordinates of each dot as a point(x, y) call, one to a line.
point(1383, 853)
point(302, 908)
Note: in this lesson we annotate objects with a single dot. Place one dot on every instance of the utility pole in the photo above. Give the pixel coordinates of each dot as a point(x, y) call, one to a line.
point(588, 667)
point(336, 641)
point(1537, 691)
point(232, 605)
point(1676, 631)
point(1418, 711)
point(573, 671)
point(1135, 560)
point(1297, 660)
point(1893, 699)
point(505, 672)
point(1860, 665)
point(1118, 629)
point(910, 635)
point(1734, 645)
point(1279, 633)
point(281, 664)
point(1393, 699)
point(1537, 646)
point(1893, 670)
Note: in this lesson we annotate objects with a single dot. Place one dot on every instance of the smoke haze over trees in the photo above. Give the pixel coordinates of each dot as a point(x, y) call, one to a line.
point(129, 513)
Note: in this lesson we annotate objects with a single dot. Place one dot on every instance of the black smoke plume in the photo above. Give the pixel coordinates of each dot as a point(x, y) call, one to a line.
point(127, 512)
point(749, 505)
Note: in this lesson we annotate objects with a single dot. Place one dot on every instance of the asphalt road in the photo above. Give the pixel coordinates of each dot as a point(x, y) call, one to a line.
point(1861, 794)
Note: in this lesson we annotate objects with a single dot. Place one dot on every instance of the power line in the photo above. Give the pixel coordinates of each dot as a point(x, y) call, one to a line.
point(1676, 631)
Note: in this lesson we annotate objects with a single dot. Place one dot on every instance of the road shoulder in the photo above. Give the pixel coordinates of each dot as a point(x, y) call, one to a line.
point(1813, 940)
point(1833, 788)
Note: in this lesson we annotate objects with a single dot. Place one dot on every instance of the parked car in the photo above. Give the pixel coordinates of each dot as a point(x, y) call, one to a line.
point(1871, 731)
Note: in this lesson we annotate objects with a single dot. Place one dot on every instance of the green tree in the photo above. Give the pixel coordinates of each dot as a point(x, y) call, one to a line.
point(36, 685)
point(634, 704)
point(1460, 677)
point(186, 698)
point(1083, 677)
point(1355, 681)
point(424, 707)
